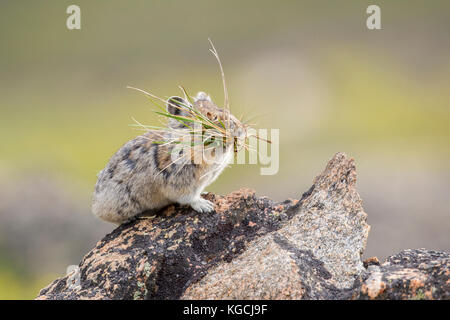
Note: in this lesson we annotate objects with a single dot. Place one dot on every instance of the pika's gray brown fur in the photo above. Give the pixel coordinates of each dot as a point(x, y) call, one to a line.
point(142, 176)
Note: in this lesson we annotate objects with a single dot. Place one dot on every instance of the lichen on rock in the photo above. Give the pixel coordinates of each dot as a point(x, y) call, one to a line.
point(252, 248)
point(409, 275)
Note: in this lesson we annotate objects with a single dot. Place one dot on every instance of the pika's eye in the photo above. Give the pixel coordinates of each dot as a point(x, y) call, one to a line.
point(211, 116)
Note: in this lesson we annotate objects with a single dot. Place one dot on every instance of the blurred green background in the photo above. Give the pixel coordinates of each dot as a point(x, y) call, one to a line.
point(310, 68)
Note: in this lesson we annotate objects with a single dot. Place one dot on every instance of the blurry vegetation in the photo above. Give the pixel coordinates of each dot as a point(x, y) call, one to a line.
point(65, 108)
point(15, 284)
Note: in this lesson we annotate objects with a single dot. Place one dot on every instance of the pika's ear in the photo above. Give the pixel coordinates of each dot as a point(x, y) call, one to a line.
point(175, 105)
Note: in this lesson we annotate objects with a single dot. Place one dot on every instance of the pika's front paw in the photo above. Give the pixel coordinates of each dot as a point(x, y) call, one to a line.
point(202, 205)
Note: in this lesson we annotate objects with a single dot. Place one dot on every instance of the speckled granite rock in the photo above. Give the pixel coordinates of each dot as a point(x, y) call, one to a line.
point(411, 274)
point(159, 256)
point(250, 248)
point(179, 253)
point(315, 255)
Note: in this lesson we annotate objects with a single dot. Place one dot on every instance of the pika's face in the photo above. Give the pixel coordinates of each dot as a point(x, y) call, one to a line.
point(220, 117)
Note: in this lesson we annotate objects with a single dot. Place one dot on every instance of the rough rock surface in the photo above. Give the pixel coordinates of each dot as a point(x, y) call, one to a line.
point(315, 255)
point(411, 274)
point(249, 248)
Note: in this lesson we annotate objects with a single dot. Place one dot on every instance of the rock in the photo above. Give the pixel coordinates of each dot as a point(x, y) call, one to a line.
point(160, 256)
point(411, 274)
point(371, 262)
point(249, 248)
point(315, 255)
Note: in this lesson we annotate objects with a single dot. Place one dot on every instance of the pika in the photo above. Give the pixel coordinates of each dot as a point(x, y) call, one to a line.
point(143, 175)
